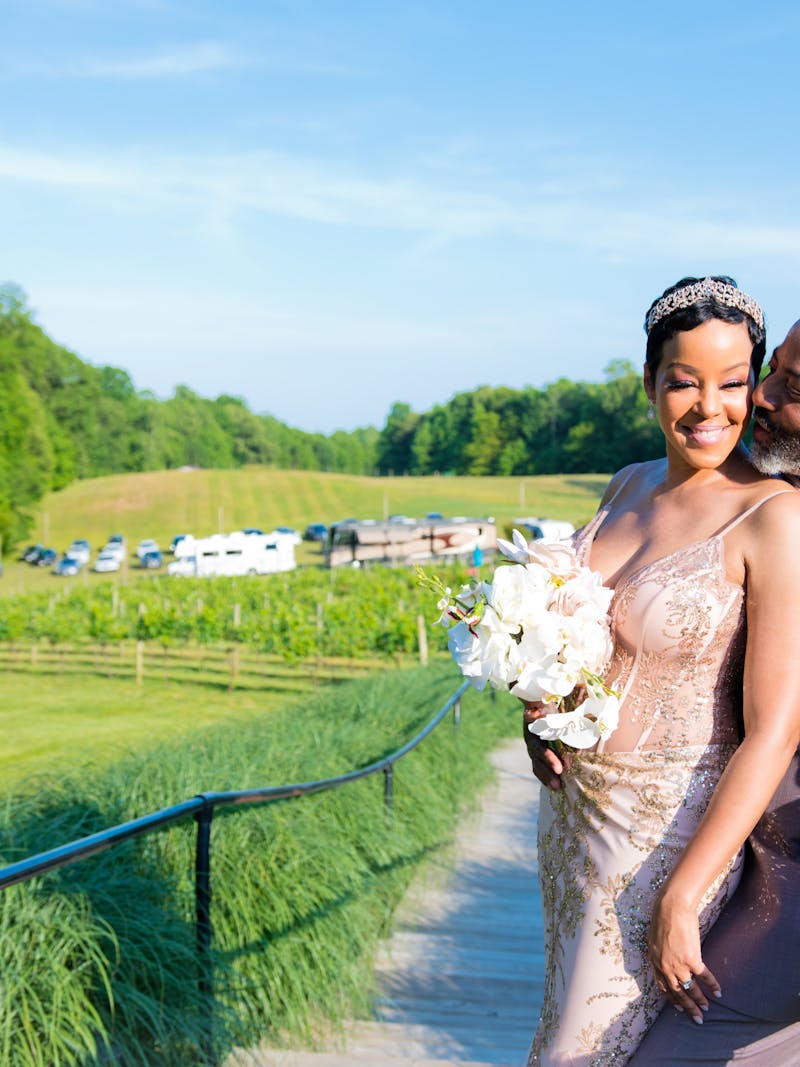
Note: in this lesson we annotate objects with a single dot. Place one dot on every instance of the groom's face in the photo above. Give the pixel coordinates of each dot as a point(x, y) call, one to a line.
point(776, 401)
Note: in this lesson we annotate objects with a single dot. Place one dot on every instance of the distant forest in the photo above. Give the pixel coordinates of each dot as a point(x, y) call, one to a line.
point(62, 419)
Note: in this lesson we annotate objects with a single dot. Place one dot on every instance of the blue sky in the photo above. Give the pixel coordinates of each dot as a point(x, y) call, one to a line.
point(326, 207)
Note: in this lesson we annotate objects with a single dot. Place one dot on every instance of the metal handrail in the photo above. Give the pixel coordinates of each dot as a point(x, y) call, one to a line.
point(202, 807)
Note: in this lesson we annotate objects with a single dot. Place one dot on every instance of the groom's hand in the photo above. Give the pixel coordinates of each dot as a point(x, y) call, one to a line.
point(545, 763)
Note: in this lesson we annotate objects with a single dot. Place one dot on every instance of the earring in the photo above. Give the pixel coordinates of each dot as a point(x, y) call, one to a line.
point(651, 410)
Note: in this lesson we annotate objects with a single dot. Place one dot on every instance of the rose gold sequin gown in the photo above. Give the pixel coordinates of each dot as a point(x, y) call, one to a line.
point(611, 835)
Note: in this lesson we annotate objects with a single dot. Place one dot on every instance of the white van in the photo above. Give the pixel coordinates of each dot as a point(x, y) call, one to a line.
point(536, 529)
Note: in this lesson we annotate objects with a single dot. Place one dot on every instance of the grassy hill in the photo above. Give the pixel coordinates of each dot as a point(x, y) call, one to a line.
point(163, 503)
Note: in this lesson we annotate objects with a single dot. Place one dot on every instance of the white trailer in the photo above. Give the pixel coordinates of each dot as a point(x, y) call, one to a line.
point(236, 554)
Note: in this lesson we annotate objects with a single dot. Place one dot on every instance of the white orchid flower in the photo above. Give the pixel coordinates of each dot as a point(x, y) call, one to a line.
point(518, 596)
point(518, 551)
point(595, 718)
point(465, 648)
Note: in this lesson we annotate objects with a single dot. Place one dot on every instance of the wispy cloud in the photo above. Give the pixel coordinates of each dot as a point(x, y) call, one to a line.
point(179, 61)
point(201, 57)
point(613, 221)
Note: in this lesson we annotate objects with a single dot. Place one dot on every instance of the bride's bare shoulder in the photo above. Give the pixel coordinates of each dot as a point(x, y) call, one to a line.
point(633, 477)
point(774, 526)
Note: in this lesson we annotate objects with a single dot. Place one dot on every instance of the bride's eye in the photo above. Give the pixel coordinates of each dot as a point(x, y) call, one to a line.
point(735, 385)
point(680, 383)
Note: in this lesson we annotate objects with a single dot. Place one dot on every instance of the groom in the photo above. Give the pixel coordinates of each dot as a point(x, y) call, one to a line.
point(754, 948)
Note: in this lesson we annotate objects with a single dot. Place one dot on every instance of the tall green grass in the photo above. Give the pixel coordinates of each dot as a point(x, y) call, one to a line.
point(97, 960)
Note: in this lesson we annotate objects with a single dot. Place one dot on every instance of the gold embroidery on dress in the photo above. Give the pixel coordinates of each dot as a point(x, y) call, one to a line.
point(610, 837)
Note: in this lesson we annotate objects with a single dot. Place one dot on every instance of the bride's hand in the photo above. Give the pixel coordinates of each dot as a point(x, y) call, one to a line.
point(545, 763)
point(675, 954)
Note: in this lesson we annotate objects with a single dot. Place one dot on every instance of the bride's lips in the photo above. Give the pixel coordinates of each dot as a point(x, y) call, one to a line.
point(706, 435)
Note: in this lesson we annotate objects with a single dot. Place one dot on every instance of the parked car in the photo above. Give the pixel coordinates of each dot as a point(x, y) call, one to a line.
point(114, 548)
point(68, 566)
point(31, 553)
point(80, 549)
point(145, 546)
point(46, 558)
point(252, 531)
point(315, 531)
point(152, 560)
point(107, 561)
point(289, 532)
point(176, 540)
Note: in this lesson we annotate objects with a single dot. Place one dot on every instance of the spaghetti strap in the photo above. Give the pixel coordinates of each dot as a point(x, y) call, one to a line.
point(607, 506)
point(749, 511)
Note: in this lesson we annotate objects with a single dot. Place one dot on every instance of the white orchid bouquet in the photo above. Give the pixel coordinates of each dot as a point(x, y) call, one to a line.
point(541, 629)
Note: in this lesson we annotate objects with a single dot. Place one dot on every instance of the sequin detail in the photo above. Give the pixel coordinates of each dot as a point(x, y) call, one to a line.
point(610, 837)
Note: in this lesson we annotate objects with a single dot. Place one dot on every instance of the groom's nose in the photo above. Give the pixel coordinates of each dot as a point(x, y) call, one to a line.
point(762, 397)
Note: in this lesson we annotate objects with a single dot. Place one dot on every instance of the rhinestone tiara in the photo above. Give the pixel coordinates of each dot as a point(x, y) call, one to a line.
point(725, 294)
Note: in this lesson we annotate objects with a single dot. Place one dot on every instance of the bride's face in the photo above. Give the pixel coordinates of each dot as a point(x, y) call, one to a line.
point(702, 392)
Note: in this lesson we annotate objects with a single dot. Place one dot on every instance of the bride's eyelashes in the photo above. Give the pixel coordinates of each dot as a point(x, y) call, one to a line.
point(683, 384)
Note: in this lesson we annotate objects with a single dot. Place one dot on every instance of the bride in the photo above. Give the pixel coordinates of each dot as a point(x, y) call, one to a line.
point(698, 548)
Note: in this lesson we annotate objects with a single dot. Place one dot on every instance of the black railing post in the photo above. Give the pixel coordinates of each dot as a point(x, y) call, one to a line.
point(388, 785)
point(457, 713)
point(202, 900)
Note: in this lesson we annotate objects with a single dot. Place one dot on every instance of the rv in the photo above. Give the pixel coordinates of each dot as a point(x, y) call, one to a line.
point(407, 540)
point(233, 555)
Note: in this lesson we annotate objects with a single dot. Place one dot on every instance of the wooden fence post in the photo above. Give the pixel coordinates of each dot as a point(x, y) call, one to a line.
point(320, 627)
point(234, 667)
point(139, 662)
point(422, 640)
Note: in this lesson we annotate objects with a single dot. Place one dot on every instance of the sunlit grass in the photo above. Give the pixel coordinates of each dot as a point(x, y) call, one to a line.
point(101, 954)
point(53, 722)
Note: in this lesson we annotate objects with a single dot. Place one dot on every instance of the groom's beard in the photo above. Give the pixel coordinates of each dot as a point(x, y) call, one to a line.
point(782, 455)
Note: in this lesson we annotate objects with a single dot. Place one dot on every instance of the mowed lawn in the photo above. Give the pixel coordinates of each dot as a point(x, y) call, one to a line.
point(50, 725)
point(164, 503)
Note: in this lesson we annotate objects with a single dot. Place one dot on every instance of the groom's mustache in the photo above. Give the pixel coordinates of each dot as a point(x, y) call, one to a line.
point(764, 421)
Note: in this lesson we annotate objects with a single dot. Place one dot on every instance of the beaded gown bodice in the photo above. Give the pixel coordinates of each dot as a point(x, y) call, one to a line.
point(678, 626)
point(610, 837)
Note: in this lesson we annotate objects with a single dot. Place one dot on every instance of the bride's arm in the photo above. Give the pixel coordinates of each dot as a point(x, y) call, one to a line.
point(772, 733)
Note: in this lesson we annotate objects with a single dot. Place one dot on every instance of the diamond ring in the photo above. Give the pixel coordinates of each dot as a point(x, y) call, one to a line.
point(688, 983)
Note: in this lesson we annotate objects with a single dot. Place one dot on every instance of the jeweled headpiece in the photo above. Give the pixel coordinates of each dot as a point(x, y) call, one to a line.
point(690, 294)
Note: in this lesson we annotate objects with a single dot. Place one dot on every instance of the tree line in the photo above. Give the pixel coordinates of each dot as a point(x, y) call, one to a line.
point(63, 419)
point(566, 427)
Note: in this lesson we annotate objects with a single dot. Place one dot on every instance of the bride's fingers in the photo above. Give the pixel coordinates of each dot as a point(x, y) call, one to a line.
point(695, 996)
point(708, 981)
